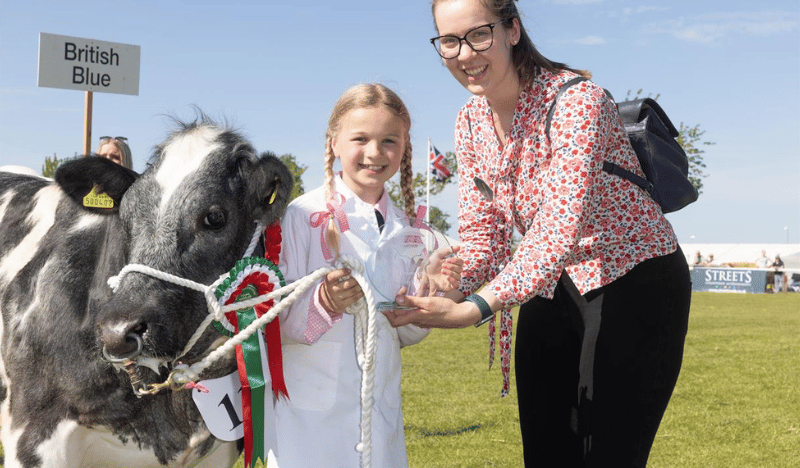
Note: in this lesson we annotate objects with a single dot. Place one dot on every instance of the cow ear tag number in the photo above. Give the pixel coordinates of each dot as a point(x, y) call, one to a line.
point(97, 200)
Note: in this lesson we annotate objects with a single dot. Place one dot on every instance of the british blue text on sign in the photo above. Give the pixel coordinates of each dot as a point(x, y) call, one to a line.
point(88, 64)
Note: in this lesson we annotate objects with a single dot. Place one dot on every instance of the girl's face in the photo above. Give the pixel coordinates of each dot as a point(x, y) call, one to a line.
point(370, 143)
point(491, 72)
point(110, 151)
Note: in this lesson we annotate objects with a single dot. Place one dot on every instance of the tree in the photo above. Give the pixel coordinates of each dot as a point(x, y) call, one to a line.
point(690, 138)
point(437, 218)
point(297, 172)
point(50, 165)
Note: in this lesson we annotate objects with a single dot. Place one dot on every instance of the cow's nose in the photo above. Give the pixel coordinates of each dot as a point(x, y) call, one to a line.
point(122, 341)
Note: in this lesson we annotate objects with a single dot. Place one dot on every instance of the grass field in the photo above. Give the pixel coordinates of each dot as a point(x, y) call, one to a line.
point(737, 402)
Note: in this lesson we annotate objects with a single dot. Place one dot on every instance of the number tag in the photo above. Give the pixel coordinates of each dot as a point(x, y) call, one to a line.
point(221, 406)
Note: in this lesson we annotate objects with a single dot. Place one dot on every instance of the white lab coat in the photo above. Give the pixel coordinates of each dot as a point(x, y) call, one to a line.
point(320, 424)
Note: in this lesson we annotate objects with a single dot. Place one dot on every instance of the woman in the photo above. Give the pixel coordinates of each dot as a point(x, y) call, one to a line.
point(607, 236)
point(116, 149)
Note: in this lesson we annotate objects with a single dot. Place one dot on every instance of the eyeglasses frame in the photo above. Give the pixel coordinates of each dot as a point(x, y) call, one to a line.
point(121, 138)
point(463, 39)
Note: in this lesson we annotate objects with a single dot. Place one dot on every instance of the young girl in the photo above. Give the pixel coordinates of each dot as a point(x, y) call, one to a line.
point(319, 425)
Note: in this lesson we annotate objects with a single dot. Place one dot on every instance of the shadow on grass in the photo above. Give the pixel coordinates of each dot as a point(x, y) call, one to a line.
point(444, 433)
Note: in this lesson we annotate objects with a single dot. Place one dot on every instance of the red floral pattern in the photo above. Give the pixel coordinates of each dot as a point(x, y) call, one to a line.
point(570, 213)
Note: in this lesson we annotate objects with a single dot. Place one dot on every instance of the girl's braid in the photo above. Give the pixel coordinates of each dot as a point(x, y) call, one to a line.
point(407, 182)
point(331, 232)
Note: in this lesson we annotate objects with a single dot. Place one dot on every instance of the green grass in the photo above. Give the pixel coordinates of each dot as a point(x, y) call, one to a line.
point(737, 402)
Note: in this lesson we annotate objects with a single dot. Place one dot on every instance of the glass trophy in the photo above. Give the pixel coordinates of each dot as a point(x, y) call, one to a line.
point(409, 253)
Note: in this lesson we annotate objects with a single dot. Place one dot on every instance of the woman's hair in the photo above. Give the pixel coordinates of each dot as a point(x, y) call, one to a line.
point(124, 149)
point(358, 97)
point(527, 60)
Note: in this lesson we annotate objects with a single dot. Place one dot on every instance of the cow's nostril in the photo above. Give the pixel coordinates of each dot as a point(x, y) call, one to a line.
point(122, 343)
point(139, 329)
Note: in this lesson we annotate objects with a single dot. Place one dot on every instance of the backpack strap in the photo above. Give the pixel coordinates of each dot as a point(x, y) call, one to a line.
point(631, 114)
point(643, 183)
point(561, 91)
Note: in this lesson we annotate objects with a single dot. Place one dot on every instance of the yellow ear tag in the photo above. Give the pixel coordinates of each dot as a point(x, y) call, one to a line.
point(272, 197)
point(97, 200)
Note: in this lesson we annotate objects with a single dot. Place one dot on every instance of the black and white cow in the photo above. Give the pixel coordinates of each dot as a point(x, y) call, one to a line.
point(192, 213)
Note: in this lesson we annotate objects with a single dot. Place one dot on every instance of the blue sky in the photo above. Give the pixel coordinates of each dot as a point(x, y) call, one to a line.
point(274, 70)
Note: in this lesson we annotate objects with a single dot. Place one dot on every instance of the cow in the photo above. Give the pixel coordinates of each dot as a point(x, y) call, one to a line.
point(65, 400)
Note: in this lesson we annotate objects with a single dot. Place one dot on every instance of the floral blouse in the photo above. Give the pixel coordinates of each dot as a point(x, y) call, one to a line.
point(572, 215)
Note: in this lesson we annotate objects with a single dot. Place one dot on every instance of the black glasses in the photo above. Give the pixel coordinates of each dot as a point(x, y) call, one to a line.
point(478, 39)
point(121, 138)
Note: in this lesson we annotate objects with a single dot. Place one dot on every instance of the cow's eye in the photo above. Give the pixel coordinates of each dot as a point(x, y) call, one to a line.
point(214, 219)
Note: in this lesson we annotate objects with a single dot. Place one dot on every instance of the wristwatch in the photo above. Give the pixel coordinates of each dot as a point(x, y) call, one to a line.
point(483, 306)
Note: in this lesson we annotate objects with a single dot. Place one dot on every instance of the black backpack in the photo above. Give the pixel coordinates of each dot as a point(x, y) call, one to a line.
point(652, 137)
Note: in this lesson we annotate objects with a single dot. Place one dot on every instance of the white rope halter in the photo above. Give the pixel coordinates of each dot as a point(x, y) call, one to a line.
point(363, 311)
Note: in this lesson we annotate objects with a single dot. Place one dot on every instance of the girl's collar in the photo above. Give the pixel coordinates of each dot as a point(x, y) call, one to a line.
point(348, 194)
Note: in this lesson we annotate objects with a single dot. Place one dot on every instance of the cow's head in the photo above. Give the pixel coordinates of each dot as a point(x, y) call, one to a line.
point(192, 214)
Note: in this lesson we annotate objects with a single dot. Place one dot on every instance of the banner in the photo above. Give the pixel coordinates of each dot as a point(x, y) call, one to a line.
point(729, 280)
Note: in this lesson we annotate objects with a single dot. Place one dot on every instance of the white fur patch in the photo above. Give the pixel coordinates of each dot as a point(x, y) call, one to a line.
point(9, 436)
point(42, 218)
point(87, 222)
point(20, 170)
point(182, 157)
point(4, 201)
point(74, 446)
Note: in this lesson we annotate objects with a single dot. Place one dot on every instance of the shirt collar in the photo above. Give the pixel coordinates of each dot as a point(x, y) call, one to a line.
point(342, 188)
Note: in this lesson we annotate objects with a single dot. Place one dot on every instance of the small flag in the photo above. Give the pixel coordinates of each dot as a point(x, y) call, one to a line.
point(439, 169)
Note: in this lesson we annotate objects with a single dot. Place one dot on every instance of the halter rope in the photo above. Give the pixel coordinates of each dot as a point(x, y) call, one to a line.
point(364, 317)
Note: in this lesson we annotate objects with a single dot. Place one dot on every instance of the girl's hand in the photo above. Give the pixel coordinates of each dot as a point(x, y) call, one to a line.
point(433, 312)
point(442, 272)
point(338, 291)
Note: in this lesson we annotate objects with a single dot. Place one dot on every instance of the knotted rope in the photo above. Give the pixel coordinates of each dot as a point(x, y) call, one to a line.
point(366, 335)
point(364, 317)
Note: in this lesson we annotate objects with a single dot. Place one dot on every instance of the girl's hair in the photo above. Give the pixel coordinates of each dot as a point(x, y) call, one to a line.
point(527, 60)
point(358, 97)
point(124, 149)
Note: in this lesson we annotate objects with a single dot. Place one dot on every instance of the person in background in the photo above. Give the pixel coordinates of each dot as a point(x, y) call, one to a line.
point(698, 259)
point(763, 261)
point(779, 273)
point(116, 149)
point(585, 233)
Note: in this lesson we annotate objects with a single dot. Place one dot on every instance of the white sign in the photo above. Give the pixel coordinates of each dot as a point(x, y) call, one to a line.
point(88, 65)
point(220, 404)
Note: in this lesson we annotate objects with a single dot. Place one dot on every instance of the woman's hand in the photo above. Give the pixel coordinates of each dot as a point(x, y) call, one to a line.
point(433, 312)
point(338, 291)
point(442, 272)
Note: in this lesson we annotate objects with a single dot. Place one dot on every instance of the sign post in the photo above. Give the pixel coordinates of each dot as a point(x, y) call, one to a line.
point(87, 123)
point(88, 65)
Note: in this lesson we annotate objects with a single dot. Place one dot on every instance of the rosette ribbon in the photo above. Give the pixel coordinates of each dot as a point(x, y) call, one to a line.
point(250, 278)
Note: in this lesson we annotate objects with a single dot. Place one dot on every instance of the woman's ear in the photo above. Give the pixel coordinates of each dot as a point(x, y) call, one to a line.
point(514, 32)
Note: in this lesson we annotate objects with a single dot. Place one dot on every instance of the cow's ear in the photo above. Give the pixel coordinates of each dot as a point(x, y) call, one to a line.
point(271, 184)
point(95, 183)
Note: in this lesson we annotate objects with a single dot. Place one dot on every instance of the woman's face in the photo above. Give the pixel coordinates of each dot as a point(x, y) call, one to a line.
point(491, 72)
point(110, 151)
